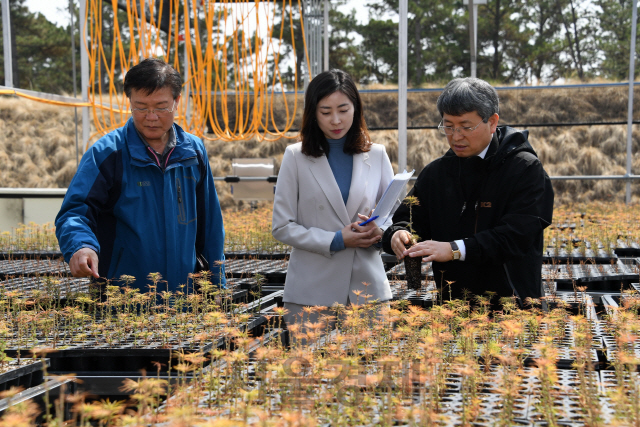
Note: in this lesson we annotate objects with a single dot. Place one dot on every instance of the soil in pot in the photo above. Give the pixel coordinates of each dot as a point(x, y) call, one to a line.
point(413, 272)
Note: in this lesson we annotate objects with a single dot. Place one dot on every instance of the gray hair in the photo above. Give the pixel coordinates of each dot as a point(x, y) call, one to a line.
point(465, 95)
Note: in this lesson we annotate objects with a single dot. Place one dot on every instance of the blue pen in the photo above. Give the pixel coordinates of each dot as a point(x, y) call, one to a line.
point(373, 218)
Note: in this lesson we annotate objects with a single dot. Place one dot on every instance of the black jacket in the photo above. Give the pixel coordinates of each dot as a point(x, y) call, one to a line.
point(499, 205)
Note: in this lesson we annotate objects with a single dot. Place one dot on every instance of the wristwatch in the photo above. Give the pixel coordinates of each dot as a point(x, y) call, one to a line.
point(455, 251)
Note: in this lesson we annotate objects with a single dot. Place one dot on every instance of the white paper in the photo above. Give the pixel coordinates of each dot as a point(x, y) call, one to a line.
point(392, 197)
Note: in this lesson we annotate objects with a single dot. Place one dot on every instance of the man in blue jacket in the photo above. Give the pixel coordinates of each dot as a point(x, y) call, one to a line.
point(143, 199)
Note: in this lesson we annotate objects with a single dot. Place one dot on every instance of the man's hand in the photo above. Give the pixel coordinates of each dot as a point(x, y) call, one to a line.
point(398, 241)
point(431, 251)
point(357, 236)
point(84, 263)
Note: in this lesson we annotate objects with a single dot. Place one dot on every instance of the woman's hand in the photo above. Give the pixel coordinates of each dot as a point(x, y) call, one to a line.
point(431, 250)
point(398, 241)
point(357, 236)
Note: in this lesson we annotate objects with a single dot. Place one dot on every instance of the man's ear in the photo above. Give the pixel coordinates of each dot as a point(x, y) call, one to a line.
point(493, 122)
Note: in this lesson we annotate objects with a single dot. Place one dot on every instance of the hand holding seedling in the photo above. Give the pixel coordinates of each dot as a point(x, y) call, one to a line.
point(398, 241)
point(430, 250)
point(84, 263)
point(361, 236)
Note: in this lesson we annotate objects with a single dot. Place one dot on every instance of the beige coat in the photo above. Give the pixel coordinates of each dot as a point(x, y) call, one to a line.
point(307, 211)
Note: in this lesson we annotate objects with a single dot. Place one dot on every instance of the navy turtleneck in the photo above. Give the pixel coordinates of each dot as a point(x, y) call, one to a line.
point(342, 167)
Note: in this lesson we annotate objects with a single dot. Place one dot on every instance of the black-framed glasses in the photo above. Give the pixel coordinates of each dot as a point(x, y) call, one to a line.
point(142, 112)
point(466, 131)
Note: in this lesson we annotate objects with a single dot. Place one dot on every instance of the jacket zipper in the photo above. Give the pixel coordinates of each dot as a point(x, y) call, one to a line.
point(182, 214)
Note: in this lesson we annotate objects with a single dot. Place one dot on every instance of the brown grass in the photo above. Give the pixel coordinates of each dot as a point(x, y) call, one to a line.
point(38, 142)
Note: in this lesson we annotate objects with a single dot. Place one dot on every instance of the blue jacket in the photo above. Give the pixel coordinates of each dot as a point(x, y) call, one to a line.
point(139, 219)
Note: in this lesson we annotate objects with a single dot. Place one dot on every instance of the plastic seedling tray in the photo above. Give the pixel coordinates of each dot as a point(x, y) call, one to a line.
point(53, 386)
point(574, 302)
point(627, 249)
point(27, 374)
point(424, 297)
point(31, 254)
point(274, 271)
point(46, 267)
point(229, 255)
point(51, 286)
point(569, 411)
point(576, 256)
point(398, 272)
point(596, 277)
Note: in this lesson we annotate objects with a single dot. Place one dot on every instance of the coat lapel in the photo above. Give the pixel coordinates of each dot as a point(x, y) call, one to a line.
point(359, 181)
point(324, 176)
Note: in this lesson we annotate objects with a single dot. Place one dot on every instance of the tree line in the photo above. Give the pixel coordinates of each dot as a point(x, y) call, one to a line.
point(519, 41)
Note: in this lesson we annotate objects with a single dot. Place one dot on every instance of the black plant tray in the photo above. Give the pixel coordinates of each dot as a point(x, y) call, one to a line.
point(274, 271)
point(422, 298)
point(611, 350)
point(596, 277)
point(398, 272)
point(569, 411)
point(29, 286)
point(248, 284)
point(255, 255)
point(624, 249)
point(21, 254)
point(33, 267)
point(575, 256)
point(27, 374)
point(574, 302)
point(54, 387)
point(99, 357)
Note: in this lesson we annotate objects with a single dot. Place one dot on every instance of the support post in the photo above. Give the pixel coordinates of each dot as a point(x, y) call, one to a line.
point(6, 42)
point(84, 73)
point(632, 63)
point(402, 85)
point(73, 73)
point(472, 37)
point(326, 35)
point(186, 66)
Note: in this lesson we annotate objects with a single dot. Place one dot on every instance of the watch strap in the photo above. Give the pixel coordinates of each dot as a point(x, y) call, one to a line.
point(455, 251)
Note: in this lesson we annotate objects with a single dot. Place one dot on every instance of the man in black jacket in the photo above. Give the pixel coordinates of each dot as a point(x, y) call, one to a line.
point(483, 206)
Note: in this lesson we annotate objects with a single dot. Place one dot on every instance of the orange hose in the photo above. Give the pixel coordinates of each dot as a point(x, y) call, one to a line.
point(224, 62)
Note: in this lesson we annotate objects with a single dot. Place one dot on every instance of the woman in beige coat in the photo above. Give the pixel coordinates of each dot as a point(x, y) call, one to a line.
point(328, 184)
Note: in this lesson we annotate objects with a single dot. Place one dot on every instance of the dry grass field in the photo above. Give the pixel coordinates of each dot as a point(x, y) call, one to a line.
point(38, 141)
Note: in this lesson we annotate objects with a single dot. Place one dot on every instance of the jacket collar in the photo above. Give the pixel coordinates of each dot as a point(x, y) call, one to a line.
point(321, 171)
point(359, 181)
point(184, 147)
point(359, 178)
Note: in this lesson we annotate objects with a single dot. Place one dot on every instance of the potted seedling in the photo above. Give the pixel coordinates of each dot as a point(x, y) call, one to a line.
point(412, 265)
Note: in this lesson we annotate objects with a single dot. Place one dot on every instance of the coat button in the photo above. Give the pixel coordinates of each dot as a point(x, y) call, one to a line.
point(321, 207)
point(366, 210)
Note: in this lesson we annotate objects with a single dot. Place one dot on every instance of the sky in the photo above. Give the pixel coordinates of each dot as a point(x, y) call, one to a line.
point(57, 11)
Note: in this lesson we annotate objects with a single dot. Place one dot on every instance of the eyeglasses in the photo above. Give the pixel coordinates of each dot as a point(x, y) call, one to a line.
point(466, 131)
point(142, 112)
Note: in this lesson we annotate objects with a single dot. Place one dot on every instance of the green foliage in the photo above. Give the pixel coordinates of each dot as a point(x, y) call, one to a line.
point(535, 41)
point(615, 38)
point(41, 52)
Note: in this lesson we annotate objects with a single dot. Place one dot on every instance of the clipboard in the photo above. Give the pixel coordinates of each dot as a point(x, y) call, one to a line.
point(392, 197)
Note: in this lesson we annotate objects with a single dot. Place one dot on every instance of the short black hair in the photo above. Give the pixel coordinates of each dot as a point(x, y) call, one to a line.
point(150, 75)
point(314, 143)
point(465, 95)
